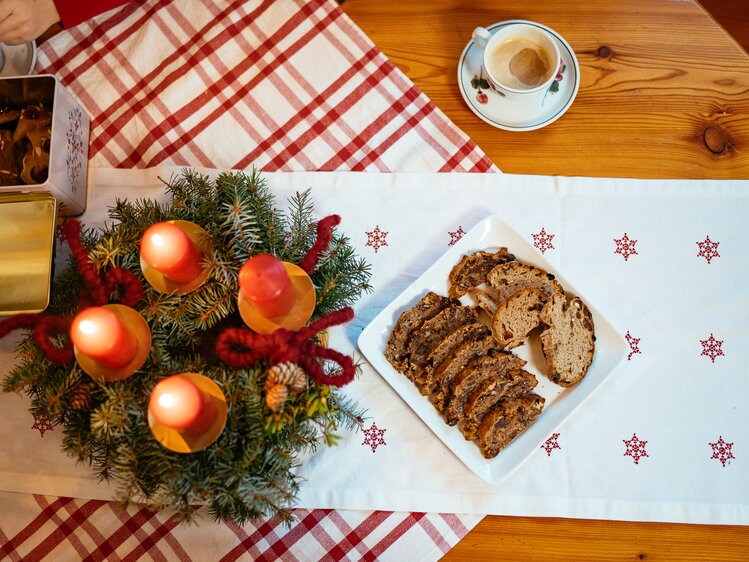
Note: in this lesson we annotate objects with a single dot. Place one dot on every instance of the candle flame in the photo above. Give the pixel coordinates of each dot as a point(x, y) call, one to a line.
point(167, 400)
point(87, 327)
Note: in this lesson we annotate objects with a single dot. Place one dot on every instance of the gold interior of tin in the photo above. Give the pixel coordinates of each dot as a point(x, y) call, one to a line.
point(27, 238)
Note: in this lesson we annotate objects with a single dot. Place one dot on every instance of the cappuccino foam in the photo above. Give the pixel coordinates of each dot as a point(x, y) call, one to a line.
point(519, 63)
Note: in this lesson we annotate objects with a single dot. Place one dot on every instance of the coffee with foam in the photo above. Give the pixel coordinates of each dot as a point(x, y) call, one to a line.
point(519, 63)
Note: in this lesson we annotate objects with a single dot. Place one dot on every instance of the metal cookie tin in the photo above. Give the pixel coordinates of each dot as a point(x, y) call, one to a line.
point(27, 241)
point(55, 132)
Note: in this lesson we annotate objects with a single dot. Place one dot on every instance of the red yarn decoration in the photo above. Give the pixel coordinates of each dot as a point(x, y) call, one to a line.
point(96, 289)
point(46, 328)
point(240, 348)
point(324, 236)
point(132, 288)
point(16, 322)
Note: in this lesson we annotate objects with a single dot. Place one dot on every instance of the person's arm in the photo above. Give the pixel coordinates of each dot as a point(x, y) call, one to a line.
point(73, 12)
point(24, 20)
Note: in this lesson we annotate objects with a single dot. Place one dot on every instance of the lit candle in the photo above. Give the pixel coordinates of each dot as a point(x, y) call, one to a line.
point(178, 403)
point(100, 334)
point(166, 248)
point(264, 281)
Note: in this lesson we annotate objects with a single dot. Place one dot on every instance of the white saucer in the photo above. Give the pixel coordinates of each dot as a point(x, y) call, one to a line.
point(508, 114)
point(17, 60)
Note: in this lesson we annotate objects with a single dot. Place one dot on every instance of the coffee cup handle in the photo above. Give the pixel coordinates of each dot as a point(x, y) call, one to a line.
point(481, 37)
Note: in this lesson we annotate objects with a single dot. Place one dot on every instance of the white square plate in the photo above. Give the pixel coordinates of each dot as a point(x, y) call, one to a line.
point(611, 348)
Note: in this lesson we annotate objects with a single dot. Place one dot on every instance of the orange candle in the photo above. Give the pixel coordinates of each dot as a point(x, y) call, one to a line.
point(100, 334)
point(166, 248)
point(178, 403)
point(264, 281)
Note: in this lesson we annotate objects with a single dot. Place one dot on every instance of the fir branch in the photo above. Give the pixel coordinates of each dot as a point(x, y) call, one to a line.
point(249, 471)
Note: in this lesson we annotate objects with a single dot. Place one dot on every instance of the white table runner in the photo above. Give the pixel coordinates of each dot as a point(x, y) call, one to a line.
point(664, 260)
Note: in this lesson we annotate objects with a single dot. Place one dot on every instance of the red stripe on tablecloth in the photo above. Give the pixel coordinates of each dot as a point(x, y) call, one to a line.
point(37, 523)
point(434, 534)
point(402, 528)
point(401, 83)
point(397, 108)
point(455, 524)
point(146, 89)
point(96, 32)
point(356, 538)
point(287, 152)
point(148, 541)
point(316, 128)
point(310, 523)
point(130, 525)
point(253, 58)
point(249, 544)
point(13, 555)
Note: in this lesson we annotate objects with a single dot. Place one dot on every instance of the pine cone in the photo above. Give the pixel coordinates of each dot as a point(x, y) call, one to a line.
point(81, 396)
point(290, 374)
point(275, 396)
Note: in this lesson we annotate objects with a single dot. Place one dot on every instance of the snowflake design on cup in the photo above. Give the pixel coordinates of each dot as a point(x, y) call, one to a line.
point(74, 158)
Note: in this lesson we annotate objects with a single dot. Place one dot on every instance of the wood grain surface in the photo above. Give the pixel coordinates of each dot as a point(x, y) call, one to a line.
point(664, 94)
point(664, 90)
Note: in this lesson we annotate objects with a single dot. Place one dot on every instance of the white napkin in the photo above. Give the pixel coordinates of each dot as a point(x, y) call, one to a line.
point(666, 296)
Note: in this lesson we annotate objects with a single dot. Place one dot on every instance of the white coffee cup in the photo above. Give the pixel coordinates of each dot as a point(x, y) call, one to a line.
point(520, 61)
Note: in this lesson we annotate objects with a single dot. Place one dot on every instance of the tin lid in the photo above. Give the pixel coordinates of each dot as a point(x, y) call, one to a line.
point(27, 241)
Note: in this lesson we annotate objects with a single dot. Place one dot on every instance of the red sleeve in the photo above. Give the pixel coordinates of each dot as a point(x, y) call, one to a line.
point(73, 12)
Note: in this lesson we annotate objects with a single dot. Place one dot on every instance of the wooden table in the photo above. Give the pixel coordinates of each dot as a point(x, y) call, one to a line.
point(664, 90)
point(664, 93)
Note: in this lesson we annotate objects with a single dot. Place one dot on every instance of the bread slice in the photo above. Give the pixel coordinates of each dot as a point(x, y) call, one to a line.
point(505, 422)
point(568, 343)
point(447, 346)
point(517, 316)
point(509, 386)
point(434, 330)
point(472, 269)
point(507, 278)
point(438, 388)
point(478, 372)
point(397, 347)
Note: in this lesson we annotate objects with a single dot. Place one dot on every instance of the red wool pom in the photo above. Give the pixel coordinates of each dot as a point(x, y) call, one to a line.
point(45, 330)
point(324, 236)
point(132, 288)
point(96, 289)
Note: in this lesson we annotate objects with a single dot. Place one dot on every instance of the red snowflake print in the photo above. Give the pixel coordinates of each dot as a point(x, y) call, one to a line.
point(625, 246)
point(42, 423)
point(722, 451)
point(712, 348)
point(374, 437)
point(708, 249)
point(377, 238)
point(635, 448)
point(634, 344)
point(542, 241)
point(550, 444)
point(455, 236)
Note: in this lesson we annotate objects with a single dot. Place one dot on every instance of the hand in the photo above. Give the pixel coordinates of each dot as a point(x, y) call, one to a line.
point(24, 20)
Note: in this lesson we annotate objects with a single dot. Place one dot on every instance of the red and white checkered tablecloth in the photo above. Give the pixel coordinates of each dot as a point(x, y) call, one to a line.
point(279, 85)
